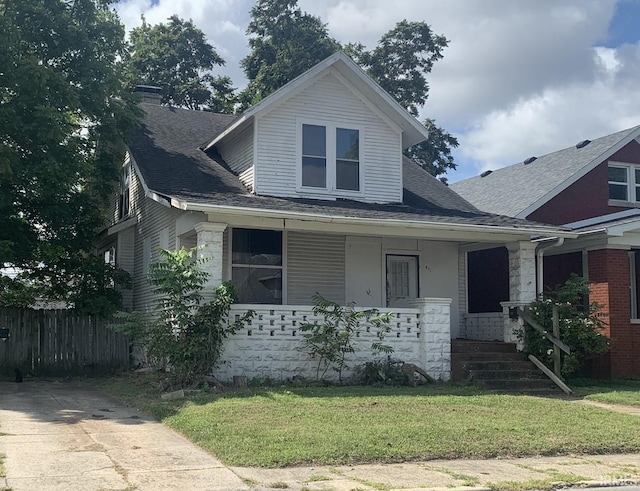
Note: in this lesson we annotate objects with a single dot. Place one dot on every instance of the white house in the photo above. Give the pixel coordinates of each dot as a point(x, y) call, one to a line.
point(308, 191)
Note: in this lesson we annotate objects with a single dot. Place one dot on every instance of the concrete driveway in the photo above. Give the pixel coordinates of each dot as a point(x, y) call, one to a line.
point(57, 436)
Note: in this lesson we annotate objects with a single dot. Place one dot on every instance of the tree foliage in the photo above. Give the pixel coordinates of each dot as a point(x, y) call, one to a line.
point(63, 128)
point(177, 57)
point(285, 42)
point(185, 333)
point(580, 326)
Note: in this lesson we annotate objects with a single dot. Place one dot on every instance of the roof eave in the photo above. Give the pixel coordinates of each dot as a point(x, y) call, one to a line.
point(341, 219)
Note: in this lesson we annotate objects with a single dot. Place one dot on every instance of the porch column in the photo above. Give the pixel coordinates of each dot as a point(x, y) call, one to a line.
point(522, 285)
point(435, 335)
point(209, 238)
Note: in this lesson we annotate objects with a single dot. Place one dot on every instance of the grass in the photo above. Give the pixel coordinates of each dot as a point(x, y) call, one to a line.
point(624, 391)
point(349, 425)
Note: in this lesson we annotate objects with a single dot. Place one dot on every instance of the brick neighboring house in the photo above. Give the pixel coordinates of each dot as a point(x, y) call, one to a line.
point(308, 191)
point(592, 188)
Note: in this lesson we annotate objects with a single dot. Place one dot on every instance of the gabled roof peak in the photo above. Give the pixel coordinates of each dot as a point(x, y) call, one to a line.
point(413, 131)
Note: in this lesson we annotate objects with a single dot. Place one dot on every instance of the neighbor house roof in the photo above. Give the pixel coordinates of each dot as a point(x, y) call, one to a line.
point(519, 189)
point(167, 151)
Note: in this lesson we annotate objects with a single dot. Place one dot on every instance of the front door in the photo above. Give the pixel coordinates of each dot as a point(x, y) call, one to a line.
point(402, 280)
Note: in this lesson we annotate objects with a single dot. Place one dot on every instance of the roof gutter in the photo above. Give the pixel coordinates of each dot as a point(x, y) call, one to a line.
point(457, 227)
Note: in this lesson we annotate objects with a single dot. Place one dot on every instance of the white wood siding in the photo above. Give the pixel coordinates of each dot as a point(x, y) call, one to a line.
point(315, 263)
point(330, 100)
point(154, 220)
point(246, 178)
point(237, 150)
point(125, 260)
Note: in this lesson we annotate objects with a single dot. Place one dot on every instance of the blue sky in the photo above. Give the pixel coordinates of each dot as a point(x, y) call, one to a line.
point(519, 78)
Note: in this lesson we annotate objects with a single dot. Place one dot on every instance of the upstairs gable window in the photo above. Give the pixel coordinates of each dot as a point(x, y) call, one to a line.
point(624, 182)
point(330, 158)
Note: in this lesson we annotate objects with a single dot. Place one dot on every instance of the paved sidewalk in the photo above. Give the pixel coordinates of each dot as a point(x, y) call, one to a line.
point(536, 473)
point(59, 436)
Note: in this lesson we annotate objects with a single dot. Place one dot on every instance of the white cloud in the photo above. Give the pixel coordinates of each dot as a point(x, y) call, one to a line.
point(558, 117)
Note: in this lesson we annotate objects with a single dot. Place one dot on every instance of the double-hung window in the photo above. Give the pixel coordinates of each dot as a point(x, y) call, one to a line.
point(624, 182)
point(256, 265)
point(331, 158)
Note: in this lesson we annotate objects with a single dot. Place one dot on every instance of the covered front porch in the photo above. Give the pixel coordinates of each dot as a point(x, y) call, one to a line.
point(417, 272)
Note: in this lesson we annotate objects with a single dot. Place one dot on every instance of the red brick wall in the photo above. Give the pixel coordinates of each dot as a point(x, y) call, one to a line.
point(609, 274)
point(587, 197)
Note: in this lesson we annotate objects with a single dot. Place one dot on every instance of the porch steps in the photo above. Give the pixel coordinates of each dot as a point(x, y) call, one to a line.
point(497, 366)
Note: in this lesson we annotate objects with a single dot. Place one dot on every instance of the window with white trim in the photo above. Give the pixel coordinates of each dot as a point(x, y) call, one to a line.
point(330, 158)
point(124, 205)
point(256, 265)
point(624, 182)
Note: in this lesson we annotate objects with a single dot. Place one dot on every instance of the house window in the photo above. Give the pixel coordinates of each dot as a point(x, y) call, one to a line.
point(110, 256)
point(330, 158)
point(256, 265)
point(125, 185)
point(314, 156)
point(624, 182)
point(347, 159)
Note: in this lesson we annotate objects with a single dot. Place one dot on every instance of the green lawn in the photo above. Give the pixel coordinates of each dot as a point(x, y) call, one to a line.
point(345, 425)
point(625, 392)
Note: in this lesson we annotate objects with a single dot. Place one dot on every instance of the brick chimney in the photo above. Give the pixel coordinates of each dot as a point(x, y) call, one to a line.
point(150, 93)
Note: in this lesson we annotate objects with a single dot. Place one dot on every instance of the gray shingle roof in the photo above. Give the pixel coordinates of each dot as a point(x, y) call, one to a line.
point(512, 189)
point(167, 151)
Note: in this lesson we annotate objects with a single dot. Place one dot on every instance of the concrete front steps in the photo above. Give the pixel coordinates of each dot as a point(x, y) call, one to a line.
point(497, 366)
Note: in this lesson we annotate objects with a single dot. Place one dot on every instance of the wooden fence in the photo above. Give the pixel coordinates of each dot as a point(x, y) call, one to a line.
point(56, 342)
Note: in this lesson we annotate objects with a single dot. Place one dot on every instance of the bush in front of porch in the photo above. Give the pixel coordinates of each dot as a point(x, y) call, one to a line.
point(185, 336)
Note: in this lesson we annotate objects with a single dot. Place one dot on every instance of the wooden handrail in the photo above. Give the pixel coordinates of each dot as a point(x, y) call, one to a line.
point(533, 323)
point(565, 388)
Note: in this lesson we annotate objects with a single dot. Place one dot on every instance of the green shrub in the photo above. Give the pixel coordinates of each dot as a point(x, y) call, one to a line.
point(580, 326)
point(330, 341)
point(185, 334)
point(383, 372)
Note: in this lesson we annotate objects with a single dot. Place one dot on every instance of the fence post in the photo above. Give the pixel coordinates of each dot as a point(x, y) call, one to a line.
point(556, 333)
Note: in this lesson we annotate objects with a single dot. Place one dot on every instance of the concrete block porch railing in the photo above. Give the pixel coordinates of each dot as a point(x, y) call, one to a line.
point(270, 346)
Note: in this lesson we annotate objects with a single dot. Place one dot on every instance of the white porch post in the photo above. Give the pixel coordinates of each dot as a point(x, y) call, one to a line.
point(522, 285)
point(435, 335)
point(209, 237)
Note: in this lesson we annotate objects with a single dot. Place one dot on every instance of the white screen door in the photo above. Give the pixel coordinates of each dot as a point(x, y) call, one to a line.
point(402, 280)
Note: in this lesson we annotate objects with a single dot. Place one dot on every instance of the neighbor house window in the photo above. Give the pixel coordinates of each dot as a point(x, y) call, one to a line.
point(624, 182)
point(330, 158)
point(256, 265)
point(125, 196)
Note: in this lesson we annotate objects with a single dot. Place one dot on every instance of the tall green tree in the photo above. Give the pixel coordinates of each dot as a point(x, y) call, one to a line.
point(64, 121)
point(285, 42)
point(177, 57)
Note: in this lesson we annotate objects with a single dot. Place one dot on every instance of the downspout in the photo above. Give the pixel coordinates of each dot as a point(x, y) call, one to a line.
point(540, 263)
